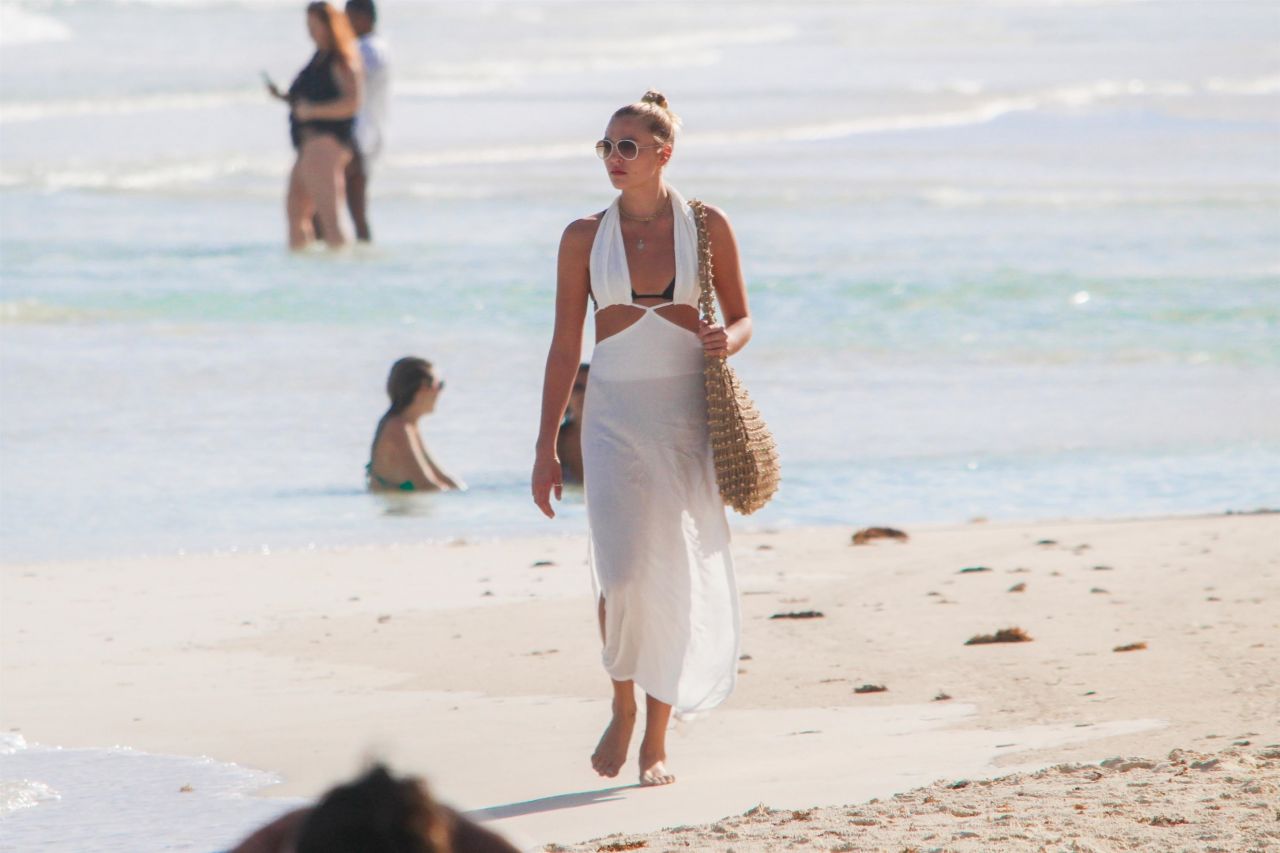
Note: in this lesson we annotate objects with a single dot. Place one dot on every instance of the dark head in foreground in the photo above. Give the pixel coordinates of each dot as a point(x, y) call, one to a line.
point(376, 813)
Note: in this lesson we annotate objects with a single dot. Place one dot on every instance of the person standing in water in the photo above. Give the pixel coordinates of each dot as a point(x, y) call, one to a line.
point(398, 458)
point(371, 121)
point(666, 596)
point(569, 439)
point(323, 101)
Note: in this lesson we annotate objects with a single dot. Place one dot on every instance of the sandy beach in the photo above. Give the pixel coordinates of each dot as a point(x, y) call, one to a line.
point(1013, 260)
point(1219, 803)
point(475, 664)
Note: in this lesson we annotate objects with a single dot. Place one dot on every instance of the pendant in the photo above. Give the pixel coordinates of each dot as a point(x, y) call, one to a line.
point(640, 245)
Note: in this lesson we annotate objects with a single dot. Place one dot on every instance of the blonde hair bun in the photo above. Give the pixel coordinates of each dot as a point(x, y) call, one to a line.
point(653, 96)
point(657, 114)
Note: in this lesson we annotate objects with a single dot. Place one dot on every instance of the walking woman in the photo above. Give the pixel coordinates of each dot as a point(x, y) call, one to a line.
point(659, 541)
point(323, 101)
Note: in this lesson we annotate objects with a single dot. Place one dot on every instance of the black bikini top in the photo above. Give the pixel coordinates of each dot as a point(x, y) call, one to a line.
point(669, 294)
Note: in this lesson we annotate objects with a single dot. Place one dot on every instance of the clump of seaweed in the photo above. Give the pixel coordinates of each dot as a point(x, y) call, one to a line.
point(1004, 635)
point(867, 534)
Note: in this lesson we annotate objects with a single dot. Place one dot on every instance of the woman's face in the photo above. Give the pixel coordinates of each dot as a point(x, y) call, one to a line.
point(318, 31)
point(649, 162)
point(428, 393)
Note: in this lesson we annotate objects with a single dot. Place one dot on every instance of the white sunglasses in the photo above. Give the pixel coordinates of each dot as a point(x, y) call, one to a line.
point(628, 149)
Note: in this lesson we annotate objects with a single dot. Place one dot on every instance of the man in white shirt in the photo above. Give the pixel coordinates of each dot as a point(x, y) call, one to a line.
point(370, 132)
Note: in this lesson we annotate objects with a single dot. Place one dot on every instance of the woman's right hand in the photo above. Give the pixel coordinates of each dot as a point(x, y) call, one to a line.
point(272, 89)
point(547, 476)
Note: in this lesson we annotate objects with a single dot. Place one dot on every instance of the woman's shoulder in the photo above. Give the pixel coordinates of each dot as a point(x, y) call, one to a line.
point(717, 222)
point(715, 215)
point(586, 225)
point(394, 431)
point(581, 233)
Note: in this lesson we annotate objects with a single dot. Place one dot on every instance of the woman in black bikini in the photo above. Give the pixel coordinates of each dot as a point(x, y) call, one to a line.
point(323, 101)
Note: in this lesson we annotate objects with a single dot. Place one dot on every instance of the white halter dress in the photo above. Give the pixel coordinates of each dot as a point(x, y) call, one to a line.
point(659, 543)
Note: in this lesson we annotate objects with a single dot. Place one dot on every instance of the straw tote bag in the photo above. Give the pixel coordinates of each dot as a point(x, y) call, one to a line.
point(746, 458)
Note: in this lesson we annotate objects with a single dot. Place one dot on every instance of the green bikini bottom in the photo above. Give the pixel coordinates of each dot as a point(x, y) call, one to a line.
point(406, 486)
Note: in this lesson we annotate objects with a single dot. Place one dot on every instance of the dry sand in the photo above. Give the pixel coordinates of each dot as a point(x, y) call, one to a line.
point(477, 665)
point(1223, 803)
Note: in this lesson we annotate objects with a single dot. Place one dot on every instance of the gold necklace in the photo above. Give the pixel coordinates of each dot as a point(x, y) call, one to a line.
point(661, 209)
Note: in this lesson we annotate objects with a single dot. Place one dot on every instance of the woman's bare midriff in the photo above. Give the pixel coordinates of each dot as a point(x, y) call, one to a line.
point(310, 134)
point(613, 319)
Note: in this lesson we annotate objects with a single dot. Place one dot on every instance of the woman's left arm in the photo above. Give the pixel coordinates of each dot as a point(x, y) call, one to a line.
point(441, 475)
point(734, 330)
point(346, 105)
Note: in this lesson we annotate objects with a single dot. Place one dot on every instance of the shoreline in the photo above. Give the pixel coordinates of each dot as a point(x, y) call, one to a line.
point(739, 526)
point(443, 659)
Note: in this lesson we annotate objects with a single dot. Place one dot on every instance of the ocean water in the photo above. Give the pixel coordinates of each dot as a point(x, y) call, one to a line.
point(118, 799)
point(1011, 259)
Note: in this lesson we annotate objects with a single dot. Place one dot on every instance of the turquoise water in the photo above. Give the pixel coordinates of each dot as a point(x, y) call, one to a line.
point(1015, 259)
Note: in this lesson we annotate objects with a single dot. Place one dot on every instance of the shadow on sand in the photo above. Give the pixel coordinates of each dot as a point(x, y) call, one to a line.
point(549, 804)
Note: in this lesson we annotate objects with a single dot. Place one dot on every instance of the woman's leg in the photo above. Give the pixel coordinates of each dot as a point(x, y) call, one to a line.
point(357, 183)
point(653, 749)
point(611, 751)
point(298, 209)
point(322, 164)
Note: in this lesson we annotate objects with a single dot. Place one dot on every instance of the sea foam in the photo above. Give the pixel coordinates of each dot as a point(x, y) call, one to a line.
point(119, 799)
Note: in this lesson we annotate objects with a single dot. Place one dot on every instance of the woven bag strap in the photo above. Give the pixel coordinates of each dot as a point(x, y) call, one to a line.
point(707, 293)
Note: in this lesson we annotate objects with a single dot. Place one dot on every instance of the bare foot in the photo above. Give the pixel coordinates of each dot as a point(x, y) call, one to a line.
point(611, 751)
point(652, 770)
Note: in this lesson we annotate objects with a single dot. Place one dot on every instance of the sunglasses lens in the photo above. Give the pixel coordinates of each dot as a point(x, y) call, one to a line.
point(604, 148)
point(628, 149)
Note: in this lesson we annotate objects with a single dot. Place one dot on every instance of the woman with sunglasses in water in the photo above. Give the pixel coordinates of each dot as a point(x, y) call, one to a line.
point(659, 542)
point(398, 459)
point(323, 101)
